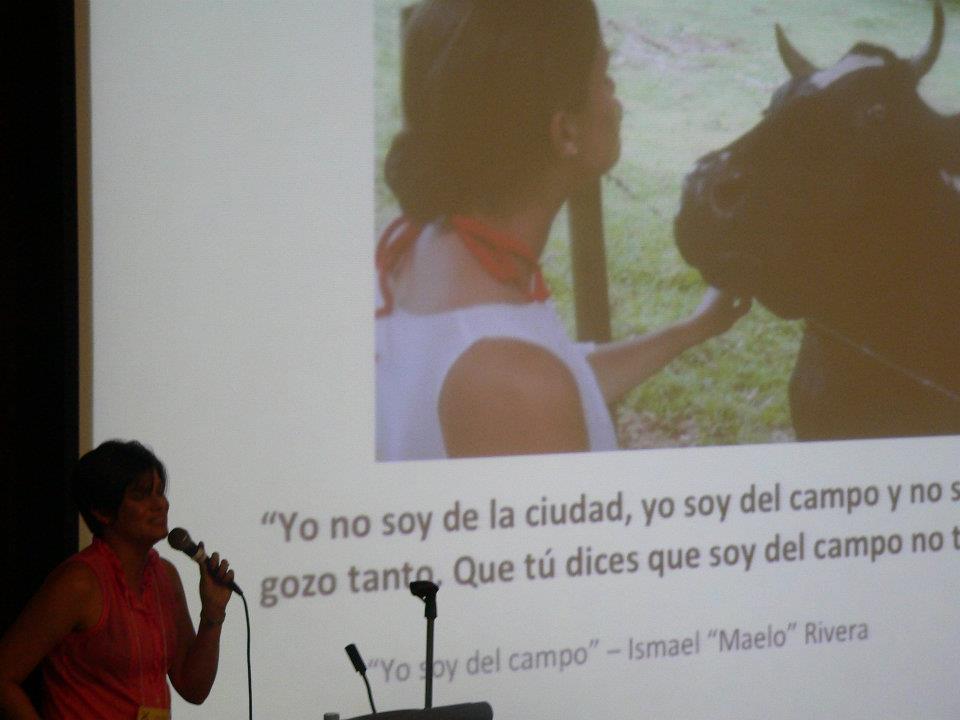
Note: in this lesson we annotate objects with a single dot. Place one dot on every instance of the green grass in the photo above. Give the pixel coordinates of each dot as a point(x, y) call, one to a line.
point(692, 76)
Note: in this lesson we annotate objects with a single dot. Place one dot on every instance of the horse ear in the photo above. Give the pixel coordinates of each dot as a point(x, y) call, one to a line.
point(924, 60)
point(796, 63)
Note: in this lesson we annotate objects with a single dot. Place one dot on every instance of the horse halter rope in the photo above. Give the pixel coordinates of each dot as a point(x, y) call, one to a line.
point(881, 359)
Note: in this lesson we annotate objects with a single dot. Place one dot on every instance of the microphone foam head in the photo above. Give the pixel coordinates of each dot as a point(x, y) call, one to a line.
point(179, 539)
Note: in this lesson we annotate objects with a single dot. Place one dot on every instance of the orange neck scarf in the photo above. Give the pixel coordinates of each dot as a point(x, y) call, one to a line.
point(502, 256)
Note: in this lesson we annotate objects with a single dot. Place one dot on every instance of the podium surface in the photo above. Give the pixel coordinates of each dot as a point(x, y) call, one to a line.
point(464, 711)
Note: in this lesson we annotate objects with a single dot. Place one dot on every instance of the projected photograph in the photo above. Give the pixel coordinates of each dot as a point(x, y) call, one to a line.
point(769, 191)
point(628, 258)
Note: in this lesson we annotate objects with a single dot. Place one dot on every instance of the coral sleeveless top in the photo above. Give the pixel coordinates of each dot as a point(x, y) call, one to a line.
point(121, 663)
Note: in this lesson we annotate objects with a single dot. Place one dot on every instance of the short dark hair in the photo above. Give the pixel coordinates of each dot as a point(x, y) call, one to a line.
point(102, 476)
point(481, 81)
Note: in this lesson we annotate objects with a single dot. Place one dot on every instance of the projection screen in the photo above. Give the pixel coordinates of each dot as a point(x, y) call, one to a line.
point(236, 196)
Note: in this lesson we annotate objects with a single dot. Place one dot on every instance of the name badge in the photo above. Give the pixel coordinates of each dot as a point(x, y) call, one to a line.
point(151, 713)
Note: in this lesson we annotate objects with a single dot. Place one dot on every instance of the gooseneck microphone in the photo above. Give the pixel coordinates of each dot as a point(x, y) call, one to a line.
point(179, 539)
point(361, 668)
point(354, 655)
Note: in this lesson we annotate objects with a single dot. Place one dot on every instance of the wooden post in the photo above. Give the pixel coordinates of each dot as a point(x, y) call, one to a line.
point(588, 256)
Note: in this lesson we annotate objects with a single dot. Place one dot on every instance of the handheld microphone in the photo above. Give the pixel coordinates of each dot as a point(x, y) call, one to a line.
point(361, 668)
point(179, 539)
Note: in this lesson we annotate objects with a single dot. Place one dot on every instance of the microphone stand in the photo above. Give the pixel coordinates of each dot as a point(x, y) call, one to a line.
point(427, 591)
point(430, 613)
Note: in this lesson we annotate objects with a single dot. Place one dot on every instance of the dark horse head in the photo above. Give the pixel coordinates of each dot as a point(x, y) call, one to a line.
point(841, 206)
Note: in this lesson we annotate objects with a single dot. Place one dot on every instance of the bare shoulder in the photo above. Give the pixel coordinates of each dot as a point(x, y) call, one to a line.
point(75, 582)
point(69, 600)
point(170, 569)
point(507, 397)
point(72, 594)
point(514, 366)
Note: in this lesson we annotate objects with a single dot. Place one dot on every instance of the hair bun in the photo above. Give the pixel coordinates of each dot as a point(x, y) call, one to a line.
point(414, 171)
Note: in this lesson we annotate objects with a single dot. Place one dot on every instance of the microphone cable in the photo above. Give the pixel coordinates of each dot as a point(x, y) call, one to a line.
point(369, 694)
point(361, 668)
point(246, 614)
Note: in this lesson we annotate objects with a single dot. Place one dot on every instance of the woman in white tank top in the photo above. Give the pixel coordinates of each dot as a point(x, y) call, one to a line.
point(507, 110)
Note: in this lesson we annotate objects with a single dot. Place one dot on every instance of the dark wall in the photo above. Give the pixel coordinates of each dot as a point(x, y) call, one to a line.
point(38, 281)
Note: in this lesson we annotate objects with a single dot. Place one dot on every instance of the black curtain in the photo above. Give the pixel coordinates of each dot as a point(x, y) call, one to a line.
point(38, 278)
